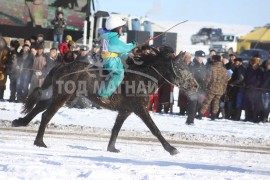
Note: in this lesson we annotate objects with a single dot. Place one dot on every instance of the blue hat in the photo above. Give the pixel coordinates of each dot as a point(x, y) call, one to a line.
point(200, 53)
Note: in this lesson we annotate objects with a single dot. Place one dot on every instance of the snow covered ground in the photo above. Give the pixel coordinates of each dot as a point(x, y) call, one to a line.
point(77, 141)
point(76, 157)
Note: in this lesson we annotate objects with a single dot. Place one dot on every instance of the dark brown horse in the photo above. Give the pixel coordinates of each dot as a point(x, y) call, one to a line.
point(141, 79)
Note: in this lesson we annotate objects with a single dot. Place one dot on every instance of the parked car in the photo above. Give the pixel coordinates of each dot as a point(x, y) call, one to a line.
point(206, 35)
point(246, 55)
point(226, 44)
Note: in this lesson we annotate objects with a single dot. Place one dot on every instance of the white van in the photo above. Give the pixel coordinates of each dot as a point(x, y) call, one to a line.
point(226, 44)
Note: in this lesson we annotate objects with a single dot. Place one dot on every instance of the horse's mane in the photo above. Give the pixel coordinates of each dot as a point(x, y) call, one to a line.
point(156, 55)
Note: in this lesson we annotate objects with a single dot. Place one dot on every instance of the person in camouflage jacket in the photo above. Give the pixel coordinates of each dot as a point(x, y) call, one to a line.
point(216, 83)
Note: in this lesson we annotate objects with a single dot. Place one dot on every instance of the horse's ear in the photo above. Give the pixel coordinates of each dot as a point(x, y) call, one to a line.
point(180, 56)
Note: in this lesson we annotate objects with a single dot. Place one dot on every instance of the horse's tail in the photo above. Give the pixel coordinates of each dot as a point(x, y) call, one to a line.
point(35, 96)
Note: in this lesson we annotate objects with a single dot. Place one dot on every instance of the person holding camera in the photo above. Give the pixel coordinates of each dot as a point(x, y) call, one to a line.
point(59, 27)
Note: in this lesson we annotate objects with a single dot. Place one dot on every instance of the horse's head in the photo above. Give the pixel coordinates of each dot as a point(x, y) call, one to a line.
point(170, 68)
point(177, 70)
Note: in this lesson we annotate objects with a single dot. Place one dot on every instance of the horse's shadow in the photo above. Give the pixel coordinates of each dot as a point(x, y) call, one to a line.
point(82, 148)
point(207, 167)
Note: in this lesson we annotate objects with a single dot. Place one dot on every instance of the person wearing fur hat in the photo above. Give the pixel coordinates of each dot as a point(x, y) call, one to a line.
point(253, 80)
point(216, 83)
point(198, 70)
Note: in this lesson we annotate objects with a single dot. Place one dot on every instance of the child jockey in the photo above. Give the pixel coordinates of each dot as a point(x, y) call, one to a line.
point(112, 49)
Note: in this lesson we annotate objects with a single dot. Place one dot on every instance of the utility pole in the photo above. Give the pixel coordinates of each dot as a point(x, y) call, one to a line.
point(89, 25)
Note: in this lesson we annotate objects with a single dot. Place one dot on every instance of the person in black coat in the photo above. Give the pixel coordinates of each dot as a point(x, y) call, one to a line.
point(25, 63)
point(12, 70)
point(199, 70)
point(231, 63)
point(265, 95)
point(235, 91)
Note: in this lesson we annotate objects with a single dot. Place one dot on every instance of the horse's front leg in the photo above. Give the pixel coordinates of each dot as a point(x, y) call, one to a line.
point(121, 117)
point(145, 116)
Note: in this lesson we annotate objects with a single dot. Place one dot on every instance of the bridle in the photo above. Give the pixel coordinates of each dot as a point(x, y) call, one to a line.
point(163, 76)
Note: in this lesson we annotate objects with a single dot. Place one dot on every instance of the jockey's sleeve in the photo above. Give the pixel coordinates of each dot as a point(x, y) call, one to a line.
point(118, 46)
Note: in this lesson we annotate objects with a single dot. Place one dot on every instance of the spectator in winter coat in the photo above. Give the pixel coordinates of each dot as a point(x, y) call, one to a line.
point(182, 97)
point(235, 91)
point(4, 51)
point(265, 94)
point(58, 10)
point(216, 83)
point(38, 68)
point(40, 40)
point(25, 64)
point(253, 80)
point(230, 64)
point(12, 68)
point(209, 61)
point(33, 40)
point(59, 26)
point(64, 47)
point(51, 61)
point(198, 70)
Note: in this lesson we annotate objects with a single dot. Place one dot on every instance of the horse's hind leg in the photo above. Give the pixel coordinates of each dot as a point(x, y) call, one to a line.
point(144, 115)
point(121, 117)
point(40, 106)
point(55, 105)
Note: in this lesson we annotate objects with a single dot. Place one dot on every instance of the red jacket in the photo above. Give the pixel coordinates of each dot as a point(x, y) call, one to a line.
point(63, 48)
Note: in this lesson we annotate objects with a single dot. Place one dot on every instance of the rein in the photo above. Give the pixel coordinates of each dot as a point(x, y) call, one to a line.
point(162, 76)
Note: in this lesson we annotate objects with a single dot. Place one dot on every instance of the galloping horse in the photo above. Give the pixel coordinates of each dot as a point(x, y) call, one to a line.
point(152, 72)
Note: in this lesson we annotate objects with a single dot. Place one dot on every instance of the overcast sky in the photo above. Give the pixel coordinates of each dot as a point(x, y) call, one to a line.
point(246, 12)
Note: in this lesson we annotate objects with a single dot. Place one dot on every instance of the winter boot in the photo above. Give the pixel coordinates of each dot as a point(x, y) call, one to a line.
point(213, 116)
point(223, 113)
point(265, 116)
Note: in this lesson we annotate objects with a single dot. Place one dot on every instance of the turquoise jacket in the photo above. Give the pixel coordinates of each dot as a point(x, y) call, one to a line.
point(112, 44)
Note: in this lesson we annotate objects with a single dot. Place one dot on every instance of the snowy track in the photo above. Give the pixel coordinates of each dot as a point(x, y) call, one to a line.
point(55, 133)
point(76, 156)
point(191, 139)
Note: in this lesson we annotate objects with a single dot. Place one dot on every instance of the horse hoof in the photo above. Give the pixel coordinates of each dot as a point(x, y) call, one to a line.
point(114, 150)
point(18, 123)
point(40, 144)
point(174, 152)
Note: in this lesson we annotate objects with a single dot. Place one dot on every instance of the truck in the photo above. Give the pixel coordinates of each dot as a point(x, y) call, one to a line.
point(206, 36)
point(226, 44)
